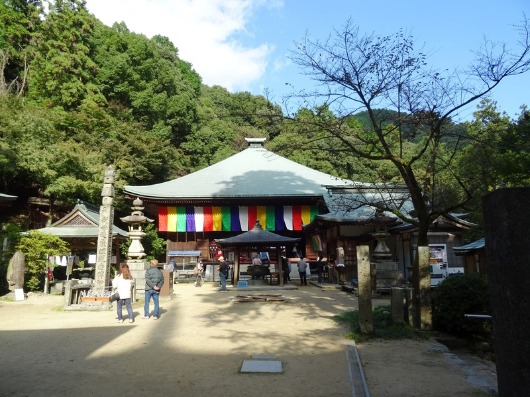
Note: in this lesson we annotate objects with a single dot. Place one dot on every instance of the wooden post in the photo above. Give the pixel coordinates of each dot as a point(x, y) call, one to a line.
point(279, 263)
point(236, 266)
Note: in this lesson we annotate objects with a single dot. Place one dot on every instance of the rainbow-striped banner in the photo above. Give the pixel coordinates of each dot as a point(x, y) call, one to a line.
point(234, 218)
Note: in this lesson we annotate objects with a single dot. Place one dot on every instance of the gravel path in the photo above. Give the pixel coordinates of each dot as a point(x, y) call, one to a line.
point(200, 342)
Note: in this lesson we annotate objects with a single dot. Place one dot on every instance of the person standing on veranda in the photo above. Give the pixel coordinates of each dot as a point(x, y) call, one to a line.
point(154, 280)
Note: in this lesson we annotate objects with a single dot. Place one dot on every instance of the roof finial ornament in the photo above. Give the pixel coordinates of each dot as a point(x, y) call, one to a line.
point(255, 142)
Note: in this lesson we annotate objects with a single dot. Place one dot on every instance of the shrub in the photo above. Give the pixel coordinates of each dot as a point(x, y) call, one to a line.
point(459, 295)
point(37, 247)
point(384, 327)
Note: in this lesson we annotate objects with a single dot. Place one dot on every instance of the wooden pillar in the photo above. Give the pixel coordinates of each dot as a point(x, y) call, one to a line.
point(236, 266)
point(280, 265)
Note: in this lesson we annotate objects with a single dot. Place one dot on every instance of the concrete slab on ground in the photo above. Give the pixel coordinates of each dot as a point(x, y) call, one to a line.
point(262, 366)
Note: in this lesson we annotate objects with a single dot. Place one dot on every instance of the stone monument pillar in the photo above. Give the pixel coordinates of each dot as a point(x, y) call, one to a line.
point(506, 214)
point(106, 220)
point(135, 254)
point(366, 322)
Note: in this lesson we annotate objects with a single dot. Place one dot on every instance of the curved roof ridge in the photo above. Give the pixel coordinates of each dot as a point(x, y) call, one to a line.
point(253, 172)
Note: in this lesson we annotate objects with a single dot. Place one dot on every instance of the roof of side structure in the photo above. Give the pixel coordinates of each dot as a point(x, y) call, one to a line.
point(82, 221)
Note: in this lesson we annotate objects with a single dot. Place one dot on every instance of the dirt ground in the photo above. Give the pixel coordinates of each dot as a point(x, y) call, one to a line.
point(201, 340)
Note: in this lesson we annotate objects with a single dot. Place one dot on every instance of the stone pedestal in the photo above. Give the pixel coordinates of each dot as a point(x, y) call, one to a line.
point(138, 268)
point(387, 275)
point(398, 303)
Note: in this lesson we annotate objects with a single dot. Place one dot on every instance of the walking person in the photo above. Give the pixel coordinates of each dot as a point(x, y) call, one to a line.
point(154, 280)
point(223, 273)
point(198, 274)
point(302, 267)
point(123, 284)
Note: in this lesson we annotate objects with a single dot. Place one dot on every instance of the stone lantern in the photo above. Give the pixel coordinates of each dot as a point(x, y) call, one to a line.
point(385, 273)
point(135, 222)
point(381, 252)
point(136, 254)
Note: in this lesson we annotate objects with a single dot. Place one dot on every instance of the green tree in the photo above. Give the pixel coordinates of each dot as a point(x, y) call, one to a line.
point(497, 154)
point(224, 121)
point(145, 78)
point(19, 20)
point(63, 73)
point(37, 247)
point(513, 169)
point(367, 72)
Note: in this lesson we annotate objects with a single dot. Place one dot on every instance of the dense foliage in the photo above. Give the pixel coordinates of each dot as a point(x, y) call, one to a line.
point(76, 95)
point(37, 247)
point(459, 295)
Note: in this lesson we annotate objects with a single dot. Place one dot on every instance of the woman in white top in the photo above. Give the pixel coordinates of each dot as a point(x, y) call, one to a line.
point(123, 284)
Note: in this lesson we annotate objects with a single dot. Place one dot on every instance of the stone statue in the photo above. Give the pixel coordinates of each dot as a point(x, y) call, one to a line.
point(16, 270)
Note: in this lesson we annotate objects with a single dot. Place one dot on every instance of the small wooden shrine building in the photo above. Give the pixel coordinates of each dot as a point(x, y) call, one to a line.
point(80, 229)
point(258, 240)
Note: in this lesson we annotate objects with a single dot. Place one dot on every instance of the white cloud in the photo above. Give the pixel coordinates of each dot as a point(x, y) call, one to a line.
point(204, 31)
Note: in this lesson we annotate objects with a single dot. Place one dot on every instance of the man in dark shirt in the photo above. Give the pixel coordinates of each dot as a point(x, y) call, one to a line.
point(154, 279)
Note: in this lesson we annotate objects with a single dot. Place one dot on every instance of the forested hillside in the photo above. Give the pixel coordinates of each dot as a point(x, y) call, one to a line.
point(76, 95)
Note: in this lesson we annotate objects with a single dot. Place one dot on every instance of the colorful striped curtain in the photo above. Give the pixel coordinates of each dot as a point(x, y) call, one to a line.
point(235, 224)
point(190, 219)
point(181, 219)
point(316, 242)
point(243, 218)
point(225, 219)
point(288, 216)
point(162, 218)
point(306, 214)
point(171, 219)
point(270, 222)
point(252, 216)
point(280, 224)
point(234, 218)
point(297, 217)
point(262, 215)
point(199, 219)
point(217, 219)
point(208, 219)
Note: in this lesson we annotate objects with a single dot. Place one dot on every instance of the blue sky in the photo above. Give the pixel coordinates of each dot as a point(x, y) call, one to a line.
point(244, 45)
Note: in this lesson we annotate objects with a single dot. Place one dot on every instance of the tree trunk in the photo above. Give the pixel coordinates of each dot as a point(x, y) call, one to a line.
point(421, 281)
